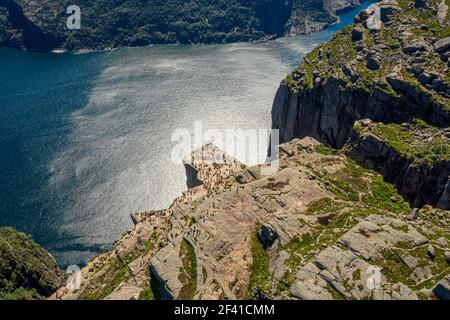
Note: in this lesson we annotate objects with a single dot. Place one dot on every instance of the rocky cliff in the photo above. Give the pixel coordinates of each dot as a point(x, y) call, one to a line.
point(313, 230)
point(391, 66)
point(413, 155)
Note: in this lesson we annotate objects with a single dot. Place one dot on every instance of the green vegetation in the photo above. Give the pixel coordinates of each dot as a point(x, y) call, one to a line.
point(398, 137)
point(356, 275)
point(20, 294)
point(290, 82)
point(150, 244)
point(27, 271)
point(308, 10)
point(324, 205)
point(117, 271)
point(395, 270)
point(435, 150)
point(108, 23)
point(147, 294)
point(120, 277)
point(259, 270)
point(385, 196)
point(320, 148)
point(188, 273)
point(404, 141)
point(300, 249)
point(326, 59)
point(356, 184)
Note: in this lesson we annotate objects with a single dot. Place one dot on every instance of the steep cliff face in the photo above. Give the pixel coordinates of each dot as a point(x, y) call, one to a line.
point(419, 166)
point(390, 67)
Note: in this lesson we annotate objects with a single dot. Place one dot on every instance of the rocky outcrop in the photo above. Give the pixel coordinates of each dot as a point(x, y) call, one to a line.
point(211, 167)
point(344, 269)
point(380, 69)
point(267, 237)
point(327, 94)
point(421, 182)
point(442, 45)
point(27, 271)
point(442, 289)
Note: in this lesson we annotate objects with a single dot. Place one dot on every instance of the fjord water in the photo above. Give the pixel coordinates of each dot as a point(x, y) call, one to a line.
point(86, 138)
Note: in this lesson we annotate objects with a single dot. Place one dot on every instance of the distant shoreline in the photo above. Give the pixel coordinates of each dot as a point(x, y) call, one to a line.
point(262, 40)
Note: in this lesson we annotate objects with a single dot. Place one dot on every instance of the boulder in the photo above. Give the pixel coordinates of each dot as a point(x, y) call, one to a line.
point(441, 14)
point(421, 3)
point(402, 292)
point(424, 78)
point(439, 85)
point(431, 252)
point(267, 236)
point(371, 18)
point(373, 63)
point(309, 286)
point(442, 242)
point(325, 218)
point(357, 34)
point(447, 256)
point(442, 45)
point(387, 11)
point(350, 72)
point(442, 289)
point(414, 214)
point(419, 46)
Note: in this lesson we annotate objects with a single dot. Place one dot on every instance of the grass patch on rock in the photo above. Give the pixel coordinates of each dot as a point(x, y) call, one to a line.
point(259, 269)
point(188, 273)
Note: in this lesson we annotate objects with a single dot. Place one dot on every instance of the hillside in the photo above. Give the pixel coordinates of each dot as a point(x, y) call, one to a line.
point(109, 24)
point(27, 271)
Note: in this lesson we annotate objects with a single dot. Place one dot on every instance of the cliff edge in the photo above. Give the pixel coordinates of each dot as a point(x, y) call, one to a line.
point(391, 67)
point(313, 230)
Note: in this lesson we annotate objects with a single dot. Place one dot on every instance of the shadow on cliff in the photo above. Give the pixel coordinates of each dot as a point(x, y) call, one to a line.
point(34, 38)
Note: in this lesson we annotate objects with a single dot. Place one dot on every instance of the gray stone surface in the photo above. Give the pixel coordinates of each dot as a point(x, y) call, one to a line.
point(442, 289)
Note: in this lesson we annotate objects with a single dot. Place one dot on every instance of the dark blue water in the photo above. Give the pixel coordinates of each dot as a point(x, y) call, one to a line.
point(86, 139)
